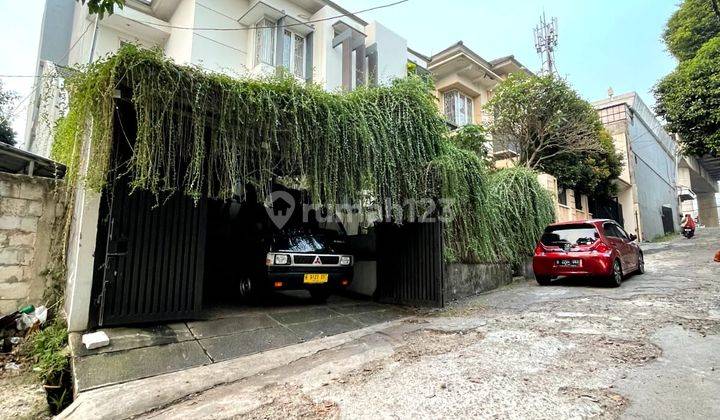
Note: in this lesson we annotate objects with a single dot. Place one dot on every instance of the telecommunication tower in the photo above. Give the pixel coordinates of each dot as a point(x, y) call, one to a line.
point(546, 40)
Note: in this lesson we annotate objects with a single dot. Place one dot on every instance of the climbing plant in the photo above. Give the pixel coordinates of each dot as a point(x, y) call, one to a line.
point(208, 134)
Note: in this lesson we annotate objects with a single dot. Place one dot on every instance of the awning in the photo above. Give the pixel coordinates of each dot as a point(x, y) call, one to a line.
point(17, 161)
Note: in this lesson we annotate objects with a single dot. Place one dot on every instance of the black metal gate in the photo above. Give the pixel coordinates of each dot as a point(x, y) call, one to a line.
point(154, 259)
point(410, 264)
point(668, 220)
point(150, 251)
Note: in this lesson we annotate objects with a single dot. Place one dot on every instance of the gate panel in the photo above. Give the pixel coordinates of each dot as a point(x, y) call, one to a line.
point(410, 264)
point(154, 261)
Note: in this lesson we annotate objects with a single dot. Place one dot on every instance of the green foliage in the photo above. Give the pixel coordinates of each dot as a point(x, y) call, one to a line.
point(48, 350)
point(590, 172)
point(519, 209)
point(473, 138)
point(540, 117)
point(209, 134)
point(7, 98)
point(690, 27)
point(689, 100)
point(496, 217)
point(555, 131)
point(100, 7)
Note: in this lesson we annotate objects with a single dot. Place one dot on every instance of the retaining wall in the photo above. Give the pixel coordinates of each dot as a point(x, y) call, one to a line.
point(28, 211)
point(463, 280)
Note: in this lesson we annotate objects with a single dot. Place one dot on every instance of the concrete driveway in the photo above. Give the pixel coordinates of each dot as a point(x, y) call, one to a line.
point(225, 332)
point(573, 350)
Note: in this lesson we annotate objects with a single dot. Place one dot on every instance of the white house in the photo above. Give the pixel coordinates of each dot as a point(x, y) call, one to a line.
point(316, 40)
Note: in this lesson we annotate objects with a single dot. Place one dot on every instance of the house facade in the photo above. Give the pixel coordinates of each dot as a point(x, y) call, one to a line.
point(647, 185)
point(316, 41)
point(464, 83)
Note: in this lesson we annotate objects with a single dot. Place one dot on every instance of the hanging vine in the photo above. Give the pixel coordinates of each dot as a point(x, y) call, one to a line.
point(207, 134)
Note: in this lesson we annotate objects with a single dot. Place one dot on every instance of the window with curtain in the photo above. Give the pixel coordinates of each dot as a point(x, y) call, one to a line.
point(458, 108)
point(265, 42)
point(299, 57)
point(293, 57)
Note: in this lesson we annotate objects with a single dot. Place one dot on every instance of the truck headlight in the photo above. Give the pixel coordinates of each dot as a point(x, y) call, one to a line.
point(282, 259)
point(345, 260)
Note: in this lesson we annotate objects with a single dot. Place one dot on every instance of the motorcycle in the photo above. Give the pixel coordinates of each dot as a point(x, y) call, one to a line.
point(688, 233)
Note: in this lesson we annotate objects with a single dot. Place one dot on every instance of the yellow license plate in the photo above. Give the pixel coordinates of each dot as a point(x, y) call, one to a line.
point(316, 278)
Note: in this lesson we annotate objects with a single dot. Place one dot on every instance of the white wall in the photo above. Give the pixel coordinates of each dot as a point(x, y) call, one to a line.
point(179, 44)
point(221, 51)
point(392, 52)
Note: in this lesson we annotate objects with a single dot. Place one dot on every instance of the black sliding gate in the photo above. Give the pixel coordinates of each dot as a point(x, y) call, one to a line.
point(150, 251)
point(410, 264)
point(154, 259)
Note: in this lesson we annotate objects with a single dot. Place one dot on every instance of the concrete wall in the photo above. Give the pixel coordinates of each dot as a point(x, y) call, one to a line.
point(654, 175)
point(463, 280)
point(28, 212)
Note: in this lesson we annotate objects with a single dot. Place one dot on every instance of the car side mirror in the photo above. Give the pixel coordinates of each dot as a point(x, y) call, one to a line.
point(632, 237)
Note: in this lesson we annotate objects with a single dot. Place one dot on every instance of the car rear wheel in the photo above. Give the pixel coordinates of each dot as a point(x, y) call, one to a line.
point(616, 277)
point(641, 263)
point(319, 295)
point(543, 280)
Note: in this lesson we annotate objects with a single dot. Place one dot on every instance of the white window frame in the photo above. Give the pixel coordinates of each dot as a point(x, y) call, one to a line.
point(262, 24)
point(459, 99)
point(293, 40)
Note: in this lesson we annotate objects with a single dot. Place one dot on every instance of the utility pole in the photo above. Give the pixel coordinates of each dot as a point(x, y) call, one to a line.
point(546, 40)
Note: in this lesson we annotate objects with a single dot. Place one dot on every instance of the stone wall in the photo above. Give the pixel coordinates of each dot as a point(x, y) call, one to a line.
point(28, 210)
point(462, 280)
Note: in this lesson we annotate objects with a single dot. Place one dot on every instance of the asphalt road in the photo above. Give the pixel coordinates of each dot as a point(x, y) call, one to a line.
point(650, 349)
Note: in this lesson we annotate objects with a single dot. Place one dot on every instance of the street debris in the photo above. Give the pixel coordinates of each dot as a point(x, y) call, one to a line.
point(95, 340)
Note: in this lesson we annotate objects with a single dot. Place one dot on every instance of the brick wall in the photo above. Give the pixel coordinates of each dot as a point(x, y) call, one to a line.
point(28, 210)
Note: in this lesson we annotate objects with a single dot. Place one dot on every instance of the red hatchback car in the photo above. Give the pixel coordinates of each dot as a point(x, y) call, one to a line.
point(587, 248)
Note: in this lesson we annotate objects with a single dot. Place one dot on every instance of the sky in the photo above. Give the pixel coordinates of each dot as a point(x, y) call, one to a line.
point(602, 43)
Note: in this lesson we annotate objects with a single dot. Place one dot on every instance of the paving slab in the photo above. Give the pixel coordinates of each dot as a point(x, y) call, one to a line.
point(233, 325)
point(304, 315)
point(357, 308)
point(248, 342)
point(122, 338)
point(377, 317)
point(127, 365)
point(324, 327)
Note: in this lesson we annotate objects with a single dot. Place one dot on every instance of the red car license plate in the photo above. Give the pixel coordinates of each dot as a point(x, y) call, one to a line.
point(568, 263)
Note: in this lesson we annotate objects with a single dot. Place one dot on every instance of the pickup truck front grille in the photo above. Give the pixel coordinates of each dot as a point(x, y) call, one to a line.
point(310, 259)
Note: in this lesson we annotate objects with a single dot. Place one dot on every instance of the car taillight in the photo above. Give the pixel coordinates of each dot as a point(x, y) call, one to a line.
point(539, 249)
point(600, 247)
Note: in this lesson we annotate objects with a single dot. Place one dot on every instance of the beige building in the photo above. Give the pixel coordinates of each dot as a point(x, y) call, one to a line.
point(464, 83)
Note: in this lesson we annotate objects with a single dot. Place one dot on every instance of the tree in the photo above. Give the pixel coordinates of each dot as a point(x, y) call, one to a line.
point(590, 173)
point(690, 27)
point(100, 7)
point(689, 100)
point(7, 98)
point(473, 138)
point(540, 118)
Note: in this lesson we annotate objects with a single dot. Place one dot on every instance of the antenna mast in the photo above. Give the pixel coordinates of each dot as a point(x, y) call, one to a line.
point(546, 40)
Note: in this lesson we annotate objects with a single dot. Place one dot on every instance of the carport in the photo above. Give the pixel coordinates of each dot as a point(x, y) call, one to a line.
point(163, 302)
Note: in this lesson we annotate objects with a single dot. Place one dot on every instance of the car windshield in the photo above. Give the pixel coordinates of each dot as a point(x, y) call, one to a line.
point(301, 243)
point(569, 234)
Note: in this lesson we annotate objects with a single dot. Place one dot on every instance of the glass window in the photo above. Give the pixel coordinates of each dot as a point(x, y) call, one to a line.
point(265, 42)
point(287, 49)
point(612, 230)
point(299, 57)
point(458, 108)
point(578, 201)
point(562, 196)
point(581, 234)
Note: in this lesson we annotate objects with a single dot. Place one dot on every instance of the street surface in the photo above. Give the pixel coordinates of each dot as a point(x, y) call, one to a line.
point(650, 349)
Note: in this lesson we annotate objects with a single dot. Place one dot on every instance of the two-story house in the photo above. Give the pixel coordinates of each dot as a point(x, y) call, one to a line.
point(464, 83)
point(316, 41)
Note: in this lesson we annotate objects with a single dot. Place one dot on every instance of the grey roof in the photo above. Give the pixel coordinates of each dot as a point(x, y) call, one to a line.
point(17, 161)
